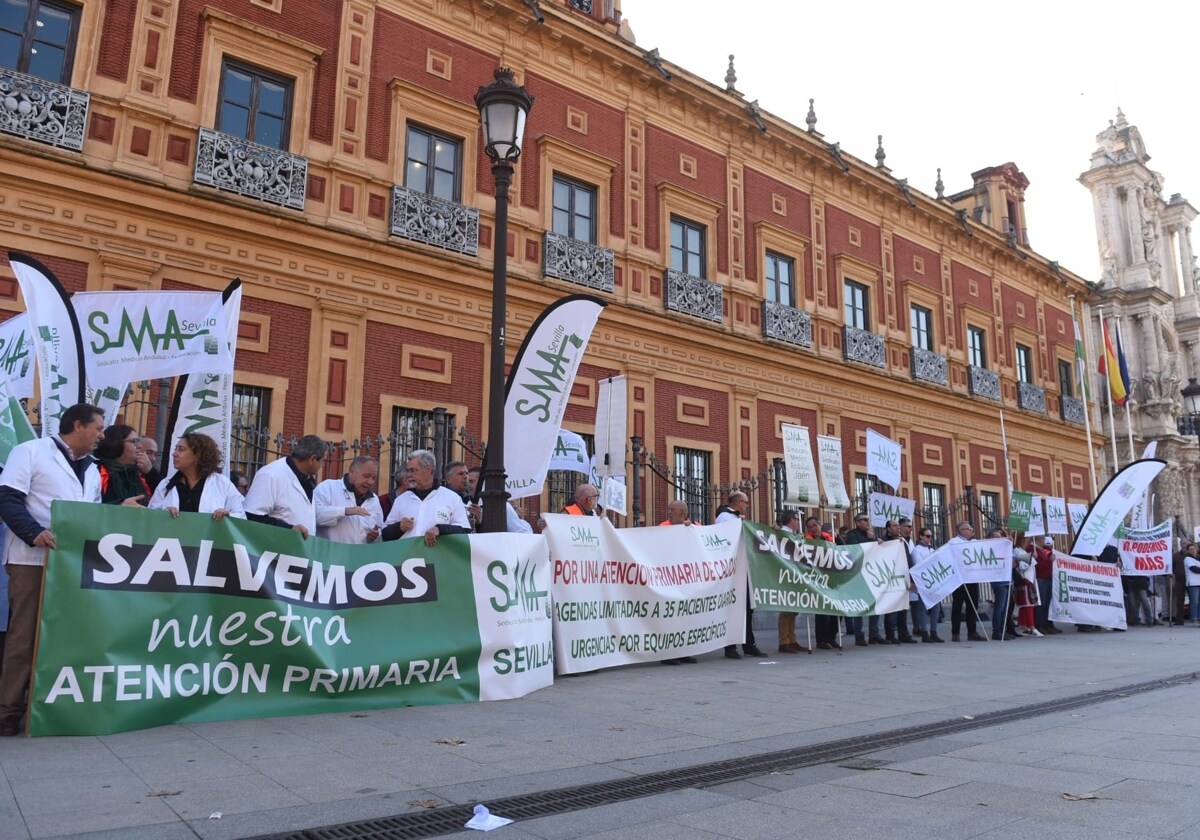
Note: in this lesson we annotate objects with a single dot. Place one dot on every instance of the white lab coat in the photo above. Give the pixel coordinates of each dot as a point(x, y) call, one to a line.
point(331, 499)
point(277, 492)
point(441, 507)
point(219, 493)
point(39, 470)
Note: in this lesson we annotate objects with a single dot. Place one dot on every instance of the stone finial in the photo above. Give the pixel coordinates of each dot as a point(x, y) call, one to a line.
point(1121, 123)
point(880, 154)
point(939, 187)
point(811, 119)
point(731, 77)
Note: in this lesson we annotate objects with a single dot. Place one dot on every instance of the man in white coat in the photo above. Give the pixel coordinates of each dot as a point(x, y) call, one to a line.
point(282, 491)
point(348, 510)
point(426, 509)
point(39, 472)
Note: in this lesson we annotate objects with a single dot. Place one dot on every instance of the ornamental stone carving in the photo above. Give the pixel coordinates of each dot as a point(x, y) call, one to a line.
point(43, 111)
point(694, 296)
point(863, 346)
point(434, 221)
point(578, 262)
point(235, 165)
point(929, 366)
point(983, 382)
point(786, 323)
point(1031, 397)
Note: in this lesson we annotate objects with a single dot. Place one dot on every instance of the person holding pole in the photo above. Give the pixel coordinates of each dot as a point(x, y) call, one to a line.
point(966, 597)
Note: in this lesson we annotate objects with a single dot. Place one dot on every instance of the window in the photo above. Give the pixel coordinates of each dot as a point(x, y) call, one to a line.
point(254, 105)
point(416, 429)
point(989, 508)
point(858, 306)
point(781, 286)
point(864, 486)
point(1065, 378)
point(561, 484)
point(574, 210)
point(687, 247)
point(37, 37)
point(976, 347)
point(693, 468)
point(1024, 364)
point(922, 327)
point(933, 511)
point(432, 163)
point(251, 438)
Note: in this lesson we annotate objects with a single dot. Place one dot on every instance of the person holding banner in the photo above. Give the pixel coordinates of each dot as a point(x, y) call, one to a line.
point(1191, 568)
point(737, 505)
point(1043, 557)
point(677, 514)
point(197, 485)
point(895, 624)
point(282, 491)
point(860, 533)
point(426, 509)
point(789, 520)
point(966, 598)
point(37, 473)
point(925, 620)
point(121, 481)
point(347, 508)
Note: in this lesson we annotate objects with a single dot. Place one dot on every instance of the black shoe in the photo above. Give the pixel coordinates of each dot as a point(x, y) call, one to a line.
point(731, 653)
point(893, 641)
point(908, 640)
point(824, 646)
point(671, 661)
point(860, 641)
point(752, 650)
point(975, 637)
point(10, 726)
point(934, 637)
point(688, 660)
point(924, 636)
point(877, 640)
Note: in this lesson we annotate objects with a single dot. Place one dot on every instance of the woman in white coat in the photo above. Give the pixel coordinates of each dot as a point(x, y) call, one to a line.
point(197, 486)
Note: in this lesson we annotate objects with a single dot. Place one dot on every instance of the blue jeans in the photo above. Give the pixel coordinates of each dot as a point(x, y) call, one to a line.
point(855, 626)
point(1000, 608)
point(917, 608)
point(1194, 603)
point(934, 614)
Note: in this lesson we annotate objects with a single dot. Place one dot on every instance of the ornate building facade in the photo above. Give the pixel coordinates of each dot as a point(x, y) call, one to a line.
point(327, 152)
point(1149, 290)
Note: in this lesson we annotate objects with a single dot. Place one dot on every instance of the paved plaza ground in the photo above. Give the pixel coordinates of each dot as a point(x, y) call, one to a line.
point(1136, 759)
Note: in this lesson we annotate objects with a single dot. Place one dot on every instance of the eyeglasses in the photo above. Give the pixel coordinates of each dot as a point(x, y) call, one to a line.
point(926, 534)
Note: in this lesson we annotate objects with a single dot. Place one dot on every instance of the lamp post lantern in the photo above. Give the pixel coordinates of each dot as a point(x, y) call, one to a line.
point(503, 106)
point(1189, 424)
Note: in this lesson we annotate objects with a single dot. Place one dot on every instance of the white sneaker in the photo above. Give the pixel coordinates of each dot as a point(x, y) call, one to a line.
point(1035, 632)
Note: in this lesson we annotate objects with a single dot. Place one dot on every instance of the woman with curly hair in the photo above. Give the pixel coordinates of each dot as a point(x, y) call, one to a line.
point(121, 481)
point(197, 485)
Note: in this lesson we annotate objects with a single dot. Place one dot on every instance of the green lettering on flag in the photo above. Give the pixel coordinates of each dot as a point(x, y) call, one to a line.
point(1020, 508)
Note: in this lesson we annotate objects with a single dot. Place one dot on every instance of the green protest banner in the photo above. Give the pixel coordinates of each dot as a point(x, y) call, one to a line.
point(148, 620)
point(1020, 508)
point(791, 574)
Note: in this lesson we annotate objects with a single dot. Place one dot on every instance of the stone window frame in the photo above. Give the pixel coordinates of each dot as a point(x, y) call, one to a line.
point(784, 243)
point(434, 112)
point(586, 168)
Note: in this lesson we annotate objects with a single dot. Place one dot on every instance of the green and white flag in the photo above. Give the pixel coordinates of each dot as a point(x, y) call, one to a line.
point(1020, 510)
point(14, 424)
point(17, 354)
point(148, 620)
point(829, 455)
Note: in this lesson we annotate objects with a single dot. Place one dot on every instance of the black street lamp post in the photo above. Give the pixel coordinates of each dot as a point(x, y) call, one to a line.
point(503, 106)
point(1189, 423)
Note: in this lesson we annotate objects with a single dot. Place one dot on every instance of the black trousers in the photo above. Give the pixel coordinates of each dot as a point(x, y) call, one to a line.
point(825, 628)
point(960, 606)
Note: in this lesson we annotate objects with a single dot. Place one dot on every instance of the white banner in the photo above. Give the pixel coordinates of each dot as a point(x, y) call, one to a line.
point(539, 387)
point(1037, 519)
point(1077, 513)
point(1146, 552)
point(128, 336)
point(829, 454)
point(55, 339)
point(204, 402)
point(801, 472)
point(17, 354)
point(570, 453)
point(1056, 515)
point(108, 399)
point(1115, 500)
point(884, 507)
point(1086, 592)
point(980, 561)
point(642, 594)
point(612, 434)
point(936, 577)
point(511, 573)
point(883, 458)
point(612, 494)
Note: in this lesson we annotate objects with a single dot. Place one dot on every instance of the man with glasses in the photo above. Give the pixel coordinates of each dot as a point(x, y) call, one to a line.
point(861, 533)
point(966, 597)
point(587, 499)
point(924, 620)
point(426, 509)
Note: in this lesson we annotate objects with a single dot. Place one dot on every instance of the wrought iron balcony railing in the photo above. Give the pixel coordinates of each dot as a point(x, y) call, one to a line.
point(863, 346)
point(786, 323)
point(578, 262)
point(1071, 409)
point(39, 110)
point(983, 382)
point(1031, 397)
point(693, 296)
point(239, 166)
point(929, 366)
point(435, 221)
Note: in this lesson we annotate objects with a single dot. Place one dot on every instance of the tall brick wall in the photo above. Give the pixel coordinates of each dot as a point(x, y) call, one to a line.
point(116, 39)
point(760, 192)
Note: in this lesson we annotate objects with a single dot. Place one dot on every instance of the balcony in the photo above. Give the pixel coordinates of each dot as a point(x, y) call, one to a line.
point(693, 296)
point(983, 382)
point(577, 262)
point(786, 323)
point(928, 366)
point(42, 111)
point(235, 165)
point(1071, 410)
point(443, 224)
point(1031, 397)
point(863, 346)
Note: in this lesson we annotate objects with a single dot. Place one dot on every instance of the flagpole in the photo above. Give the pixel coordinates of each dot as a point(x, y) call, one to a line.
point(1112, 425)
point(1007, 466)
point(1128, 422)
point(1082, 372)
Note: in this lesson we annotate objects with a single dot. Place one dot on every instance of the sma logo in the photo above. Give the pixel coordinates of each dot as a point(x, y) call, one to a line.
point(517, 588)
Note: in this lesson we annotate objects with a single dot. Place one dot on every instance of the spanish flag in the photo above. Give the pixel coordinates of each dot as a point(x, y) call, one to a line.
point(1112, 365)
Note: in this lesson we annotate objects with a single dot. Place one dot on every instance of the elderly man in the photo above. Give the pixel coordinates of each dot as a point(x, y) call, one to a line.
point(677, 514)
point(861, 533)
point(426, 509)
point(347, 508)
point(965, 603)
point(148, 465)
point(737, 505)
point(789, 520)
point(37, 473)
point(587, 497)
point(282, 491)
